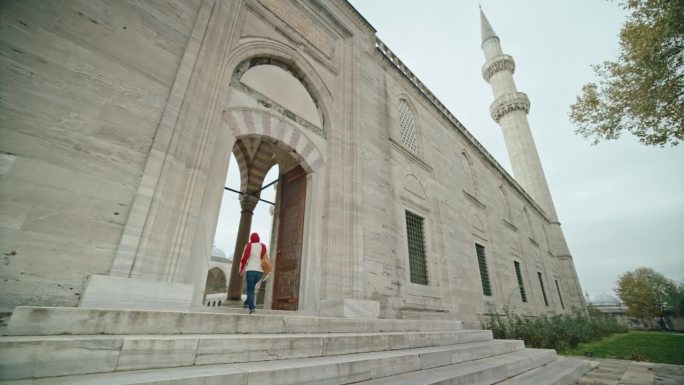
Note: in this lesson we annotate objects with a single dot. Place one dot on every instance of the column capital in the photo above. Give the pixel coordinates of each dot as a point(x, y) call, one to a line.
point(248, 203)
point(508, 103)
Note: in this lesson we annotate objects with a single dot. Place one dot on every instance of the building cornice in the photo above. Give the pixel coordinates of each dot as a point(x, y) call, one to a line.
point(359, 16)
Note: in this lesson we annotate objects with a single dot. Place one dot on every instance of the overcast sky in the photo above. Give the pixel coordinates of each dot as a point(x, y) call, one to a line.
point(621, 204)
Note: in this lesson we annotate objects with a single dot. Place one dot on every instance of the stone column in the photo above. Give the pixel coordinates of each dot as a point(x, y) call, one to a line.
point(247, 203)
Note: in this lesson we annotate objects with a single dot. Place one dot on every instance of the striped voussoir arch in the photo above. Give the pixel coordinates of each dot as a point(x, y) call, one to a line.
point(246, 122)
point(253, 168)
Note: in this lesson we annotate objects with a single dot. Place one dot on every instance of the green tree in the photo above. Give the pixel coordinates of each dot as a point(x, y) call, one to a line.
point(643, 92)
point(645, 292)
point(675, 300)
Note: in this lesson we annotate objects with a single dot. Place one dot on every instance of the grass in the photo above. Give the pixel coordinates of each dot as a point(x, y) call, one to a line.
point(662, 347)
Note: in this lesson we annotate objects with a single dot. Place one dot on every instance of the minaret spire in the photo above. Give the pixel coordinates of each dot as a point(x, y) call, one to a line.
point(486, 28)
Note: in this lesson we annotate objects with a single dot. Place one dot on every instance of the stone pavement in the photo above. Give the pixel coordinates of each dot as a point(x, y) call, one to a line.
point(622, 372)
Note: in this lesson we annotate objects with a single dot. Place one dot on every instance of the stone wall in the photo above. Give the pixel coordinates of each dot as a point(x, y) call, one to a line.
point(83, 87)
point(93, 147)
point(457, 214)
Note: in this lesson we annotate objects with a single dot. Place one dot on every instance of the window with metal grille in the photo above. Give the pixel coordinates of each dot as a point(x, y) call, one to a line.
point(408, 126)
point(521, 285)
point(484, 275)
point(416, 248)
point(559, 295)
point(541, 283)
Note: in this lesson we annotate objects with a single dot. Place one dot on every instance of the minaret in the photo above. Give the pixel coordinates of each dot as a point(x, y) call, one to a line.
point(510, 109)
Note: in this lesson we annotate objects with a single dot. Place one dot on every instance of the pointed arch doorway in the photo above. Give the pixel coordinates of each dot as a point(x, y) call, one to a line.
point(255, 154)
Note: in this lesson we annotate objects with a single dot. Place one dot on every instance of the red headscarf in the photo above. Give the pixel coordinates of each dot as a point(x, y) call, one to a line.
point(254, 238)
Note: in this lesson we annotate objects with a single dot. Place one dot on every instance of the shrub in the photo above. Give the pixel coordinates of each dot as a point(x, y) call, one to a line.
point(558, 332)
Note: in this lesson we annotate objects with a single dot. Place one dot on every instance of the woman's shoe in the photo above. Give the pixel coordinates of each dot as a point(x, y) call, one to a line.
point(251, 311)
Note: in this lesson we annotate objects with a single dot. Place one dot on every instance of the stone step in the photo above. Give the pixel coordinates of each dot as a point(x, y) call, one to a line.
point(491, 370)
point(239, 309)
point(563, 371)
point(42, 356)
point(490, 361)
point(33, 321)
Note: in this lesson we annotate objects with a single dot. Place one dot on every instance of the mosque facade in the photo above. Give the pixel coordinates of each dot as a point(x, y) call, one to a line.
point(119, 119)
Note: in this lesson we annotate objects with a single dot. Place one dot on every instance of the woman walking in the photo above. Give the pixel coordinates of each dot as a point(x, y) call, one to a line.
point(250, 264)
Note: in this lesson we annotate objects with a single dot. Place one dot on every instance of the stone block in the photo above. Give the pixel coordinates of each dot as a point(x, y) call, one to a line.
point(354, 344)
point(564, 371)
point(22, 357)
point(332, 371)
point(215, 350)
point(107, 292)
point(390, 366)
point(349, 308)
point(157, 352)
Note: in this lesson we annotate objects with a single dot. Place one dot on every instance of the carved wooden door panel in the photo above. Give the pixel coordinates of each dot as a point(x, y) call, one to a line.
point(290, 232)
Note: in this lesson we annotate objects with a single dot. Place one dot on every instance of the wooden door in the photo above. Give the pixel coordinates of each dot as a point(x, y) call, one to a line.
point(290, 232)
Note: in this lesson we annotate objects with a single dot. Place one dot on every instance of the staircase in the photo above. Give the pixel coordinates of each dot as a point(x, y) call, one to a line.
point(97, 346)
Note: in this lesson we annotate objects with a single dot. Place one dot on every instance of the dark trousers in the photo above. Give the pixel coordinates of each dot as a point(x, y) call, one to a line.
point(252, 278)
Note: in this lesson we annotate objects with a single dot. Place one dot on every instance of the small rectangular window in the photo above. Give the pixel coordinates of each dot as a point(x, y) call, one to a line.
point(521, 286)
point(484, 274)
point(416, 248)
point(559, 295)
point(541, 283)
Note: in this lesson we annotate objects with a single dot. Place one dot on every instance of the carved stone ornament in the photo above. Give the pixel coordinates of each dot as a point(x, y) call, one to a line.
point(497, 64)
point(507, 103)
point(301, 22)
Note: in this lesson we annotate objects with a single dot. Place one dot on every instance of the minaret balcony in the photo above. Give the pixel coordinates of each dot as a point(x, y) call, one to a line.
point(507, 103)
point(496, 64)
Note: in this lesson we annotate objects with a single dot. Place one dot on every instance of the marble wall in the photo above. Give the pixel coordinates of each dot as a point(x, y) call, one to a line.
point(117, 119)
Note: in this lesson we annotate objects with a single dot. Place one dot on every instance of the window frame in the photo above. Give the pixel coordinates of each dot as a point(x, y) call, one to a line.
point(404, 100)
point(521, 281)
point(482, 261)
point(560, 297)
point(541, 284)
point(407, 214)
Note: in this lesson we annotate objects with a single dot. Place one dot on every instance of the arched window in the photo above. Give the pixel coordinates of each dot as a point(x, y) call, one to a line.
point(469, 175)
point(407, 123)
point(275, 81)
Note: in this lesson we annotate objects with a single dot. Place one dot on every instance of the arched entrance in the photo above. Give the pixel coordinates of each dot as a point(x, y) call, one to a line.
point(283, 125)
point(216, 281)
point(255, 154)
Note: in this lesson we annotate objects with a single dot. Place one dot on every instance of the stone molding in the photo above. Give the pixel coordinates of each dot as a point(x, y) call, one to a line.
point(410, 155)
point(473, 199)
point(508, 103)
point(302, 23)
point(497, 64)
point(510, 225)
